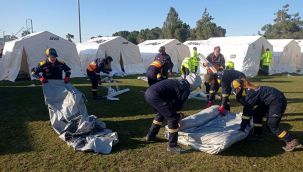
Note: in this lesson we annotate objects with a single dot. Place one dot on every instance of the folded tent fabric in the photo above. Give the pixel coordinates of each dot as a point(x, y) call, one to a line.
point(209, 132)
point(70, 119)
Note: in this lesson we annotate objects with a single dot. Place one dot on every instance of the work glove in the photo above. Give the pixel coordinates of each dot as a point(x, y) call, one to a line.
point(209, 104)
point(43, 80)
point(66, 80)
point(221, 109)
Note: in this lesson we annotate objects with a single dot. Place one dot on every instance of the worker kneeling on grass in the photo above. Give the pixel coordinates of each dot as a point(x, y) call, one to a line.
point(93, 72)
point(224, 79)
point(167, 97)
point(259, 101)
point(51, 68)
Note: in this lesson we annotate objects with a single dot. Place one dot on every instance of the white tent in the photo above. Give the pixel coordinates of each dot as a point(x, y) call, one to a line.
point(244, 51)
point(286, 55)
point(300, 61)
point(21, 55)
point(126, 55)
point(175, 49)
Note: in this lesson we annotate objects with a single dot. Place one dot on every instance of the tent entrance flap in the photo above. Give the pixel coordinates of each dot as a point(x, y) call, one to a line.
point(24, 67)
point(121, 63)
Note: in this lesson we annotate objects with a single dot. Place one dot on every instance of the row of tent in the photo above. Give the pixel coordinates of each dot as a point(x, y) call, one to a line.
point(21, 55)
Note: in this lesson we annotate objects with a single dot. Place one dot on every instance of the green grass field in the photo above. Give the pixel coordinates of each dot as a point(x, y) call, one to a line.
point(28, 142)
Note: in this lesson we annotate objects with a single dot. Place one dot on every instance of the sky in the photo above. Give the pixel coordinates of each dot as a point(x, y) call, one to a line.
point(105, 17)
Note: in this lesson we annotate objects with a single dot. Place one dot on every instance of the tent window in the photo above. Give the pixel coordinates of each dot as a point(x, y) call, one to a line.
point(121, 63)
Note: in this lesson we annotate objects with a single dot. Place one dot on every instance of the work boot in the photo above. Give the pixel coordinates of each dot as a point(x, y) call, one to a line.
point(256, 137)
point(293, 144)
point(150, 138)
point(175, 150)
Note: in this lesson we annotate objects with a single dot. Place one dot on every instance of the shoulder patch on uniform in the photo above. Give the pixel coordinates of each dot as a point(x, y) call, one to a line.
point(42, 63)
point(60, 61)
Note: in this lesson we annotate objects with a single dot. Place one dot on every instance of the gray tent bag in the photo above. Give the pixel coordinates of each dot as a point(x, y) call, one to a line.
point(209, 132)
point(70, 119)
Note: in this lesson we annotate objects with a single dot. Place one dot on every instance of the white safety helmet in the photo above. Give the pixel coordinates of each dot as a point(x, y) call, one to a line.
point(194, 81)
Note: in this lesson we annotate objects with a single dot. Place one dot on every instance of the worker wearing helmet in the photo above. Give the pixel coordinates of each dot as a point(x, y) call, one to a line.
point(224, 79)
point(165, 60)
point(229, 64)
point(93, 72)
point(167, 97)
point(51, 68)
point(258, 101)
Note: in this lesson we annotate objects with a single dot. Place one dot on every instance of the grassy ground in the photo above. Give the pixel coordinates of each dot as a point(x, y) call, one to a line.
point(28, 143)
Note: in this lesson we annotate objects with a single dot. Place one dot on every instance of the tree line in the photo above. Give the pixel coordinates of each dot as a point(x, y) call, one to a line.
point(285, 26)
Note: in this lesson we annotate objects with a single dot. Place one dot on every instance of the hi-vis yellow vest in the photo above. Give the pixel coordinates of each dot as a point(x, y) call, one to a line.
point(188, 63)
point(266, 58)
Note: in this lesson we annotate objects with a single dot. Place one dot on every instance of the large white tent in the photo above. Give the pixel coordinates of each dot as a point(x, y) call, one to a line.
point(286, 56)
point(174, 48)
point(126, 55)
point(21, 55)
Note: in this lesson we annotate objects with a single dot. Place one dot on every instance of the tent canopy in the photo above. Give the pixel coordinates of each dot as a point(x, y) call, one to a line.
point(126, 55)
point(244, 51)
point(174, 48)
point(286, 56)
point(21, 55)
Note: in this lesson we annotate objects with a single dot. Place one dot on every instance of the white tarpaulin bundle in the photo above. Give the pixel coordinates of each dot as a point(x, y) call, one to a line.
point(126, 55)
point(21, 55)
point(286, 56)
point(70, 119)
point(210, 132)
point(244, 51)
point(175, 49)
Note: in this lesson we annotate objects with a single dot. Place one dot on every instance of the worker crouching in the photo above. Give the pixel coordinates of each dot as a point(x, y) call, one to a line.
point(167, 97)
point(258, 101)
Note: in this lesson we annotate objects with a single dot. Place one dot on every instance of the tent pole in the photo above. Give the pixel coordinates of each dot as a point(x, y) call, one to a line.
point(79, 20)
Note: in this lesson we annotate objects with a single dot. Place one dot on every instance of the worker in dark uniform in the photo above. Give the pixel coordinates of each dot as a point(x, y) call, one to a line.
point(224, 79)
point(51, 68)
point(93, 72)
point(167, 64)
point(167, 97)
point(154, 72)
point(218, 61)
point(259, 101)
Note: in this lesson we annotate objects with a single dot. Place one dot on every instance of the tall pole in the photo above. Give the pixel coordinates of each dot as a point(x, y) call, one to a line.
point(79, 20)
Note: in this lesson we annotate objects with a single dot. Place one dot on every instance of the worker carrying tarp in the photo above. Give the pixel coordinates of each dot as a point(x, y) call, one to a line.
point(166, 98)
point(266, 61)
point(259, 102)
point(70, 119)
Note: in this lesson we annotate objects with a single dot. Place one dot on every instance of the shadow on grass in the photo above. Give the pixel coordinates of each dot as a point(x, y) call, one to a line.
point(18, 106)
point(130, 133)
point(270, 146)
point(294, 100)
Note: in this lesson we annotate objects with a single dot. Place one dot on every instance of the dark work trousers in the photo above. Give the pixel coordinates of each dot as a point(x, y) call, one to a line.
point(213, 91)
point(185, 71)
point(94, 81)
point(165, 110)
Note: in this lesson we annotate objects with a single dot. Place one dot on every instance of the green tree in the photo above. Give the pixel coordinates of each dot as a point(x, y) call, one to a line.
point(206, 28)
point(173, 27)
point(285, 25)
